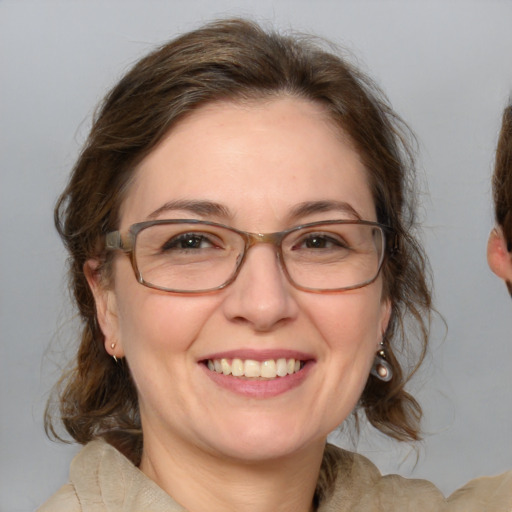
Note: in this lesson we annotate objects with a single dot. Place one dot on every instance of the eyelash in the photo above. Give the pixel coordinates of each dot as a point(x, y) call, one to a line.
point(174, 242)
point(325, 239)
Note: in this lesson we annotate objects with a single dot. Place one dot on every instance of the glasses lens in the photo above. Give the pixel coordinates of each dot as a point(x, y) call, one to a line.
point(187, 256)
point(194, 257)
point(333, 256)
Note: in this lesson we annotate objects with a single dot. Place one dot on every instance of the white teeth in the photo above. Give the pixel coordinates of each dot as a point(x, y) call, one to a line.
point(252, 368)
point(237, 368)
point(281, 367)
point(225, 367)
point(269, 369)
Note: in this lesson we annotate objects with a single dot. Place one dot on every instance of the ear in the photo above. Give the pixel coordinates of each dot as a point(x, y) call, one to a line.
point(106, 308)
point(498, 257)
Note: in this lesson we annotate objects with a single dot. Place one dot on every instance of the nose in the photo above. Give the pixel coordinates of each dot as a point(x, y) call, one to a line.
point(261, 296)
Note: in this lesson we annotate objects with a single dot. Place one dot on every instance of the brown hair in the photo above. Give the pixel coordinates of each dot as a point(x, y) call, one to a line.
point(234, 60)
point(502, 178)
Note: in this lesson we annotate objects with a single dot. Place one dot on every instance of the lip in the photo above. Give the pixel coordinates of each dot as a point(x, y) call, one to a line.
point(259, 388)
point(259, 355)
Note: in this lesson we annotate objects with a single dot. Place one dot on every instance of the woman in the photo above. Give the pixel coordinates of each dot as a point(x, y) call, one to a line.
point(242, 255)
point(499, 248)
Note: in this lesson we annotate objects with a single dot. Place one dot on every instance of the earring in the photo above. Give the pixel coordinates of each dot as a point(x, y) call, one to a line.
point(113, 346)
point(381, 368)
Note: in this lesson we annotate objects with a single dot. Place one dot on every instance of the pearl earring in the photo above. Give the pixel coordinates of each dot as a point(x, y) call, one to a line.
point(381, 368)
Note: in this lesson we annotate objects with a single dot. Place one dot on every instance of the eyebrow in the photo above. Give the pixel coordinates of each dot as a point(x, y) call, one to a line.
point(197, 207)
point(207, 209)
point(311, 207)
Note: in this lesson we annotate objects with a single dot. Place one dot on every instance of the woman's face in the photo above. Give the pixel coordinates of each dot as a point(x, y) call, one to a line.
point(249, 166)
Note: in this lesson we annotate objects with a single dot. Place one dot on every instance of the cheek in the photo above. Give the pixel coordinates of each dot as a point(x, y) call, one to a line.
point(350, 321)
point(350, 326)
point(152, 323)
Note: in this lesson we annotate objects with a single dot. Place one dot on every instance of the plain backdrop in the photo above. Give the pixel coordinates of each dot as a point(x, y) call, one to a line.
point(446, 67)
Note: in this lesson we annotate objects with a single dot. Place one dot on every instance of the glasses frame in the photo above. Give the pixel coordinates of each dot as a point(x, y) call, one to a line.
point(126, 242)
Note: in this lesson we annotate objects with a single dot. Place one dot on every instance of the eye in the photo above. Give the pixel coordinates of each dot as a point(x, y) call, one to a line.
point(314, 241)
point(191, 241)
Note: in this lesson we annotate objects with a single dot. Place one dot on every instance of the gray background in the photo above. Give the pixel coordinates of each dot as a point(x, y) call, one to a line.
point(447, 68)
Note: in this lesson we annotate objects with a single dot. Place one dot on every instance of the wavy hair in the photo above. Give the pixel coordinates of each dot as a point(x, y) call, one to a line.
point(502, 178)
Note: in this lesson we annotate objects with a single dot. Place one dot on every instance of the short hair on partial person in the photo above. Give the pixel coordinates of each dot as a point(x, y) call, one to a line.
point(502, 178)
point(235, 60)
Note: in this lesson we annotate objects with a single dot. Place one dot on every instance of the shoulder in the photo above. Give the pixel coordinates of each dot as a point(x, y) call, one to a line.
point(359, 486)
point(67, 499)
point(102, 479)
point(487, 493)
point(64, 500)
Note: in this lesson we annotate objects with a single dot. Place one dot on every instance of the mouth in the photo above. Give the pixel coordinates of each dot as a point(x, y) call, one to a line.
point(251, 369)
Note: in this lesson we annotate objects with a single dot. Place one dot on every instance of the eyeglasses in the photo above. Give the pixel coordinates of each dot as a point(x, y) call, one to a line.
point(194, 256)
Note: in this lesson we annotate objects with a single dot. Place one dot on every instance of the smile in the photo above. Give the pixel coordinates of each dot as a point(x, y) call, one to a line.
point(249, 368)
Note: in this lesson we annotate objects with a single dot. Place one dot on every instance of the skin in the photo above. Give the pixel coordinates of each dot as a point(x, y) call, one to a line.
point(210, 447)
point(498, 257)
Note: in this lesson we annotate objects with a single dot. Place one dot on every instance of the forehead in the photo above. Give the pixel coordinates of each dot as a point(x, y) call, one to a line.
point(258, 159)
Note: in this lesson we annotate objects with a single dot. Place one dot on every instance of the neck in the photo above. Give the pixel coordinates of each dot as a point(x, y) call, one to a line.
point(203, 481)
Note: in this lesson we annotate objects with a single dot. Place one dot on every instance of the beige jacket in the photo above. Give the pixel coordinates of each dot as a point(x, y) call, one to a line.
point(103, 480)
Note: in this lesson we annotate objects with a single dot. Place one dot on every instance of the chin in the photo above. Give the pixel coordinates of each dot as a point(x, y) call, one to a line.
point(263, 441)
point(251, 451)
